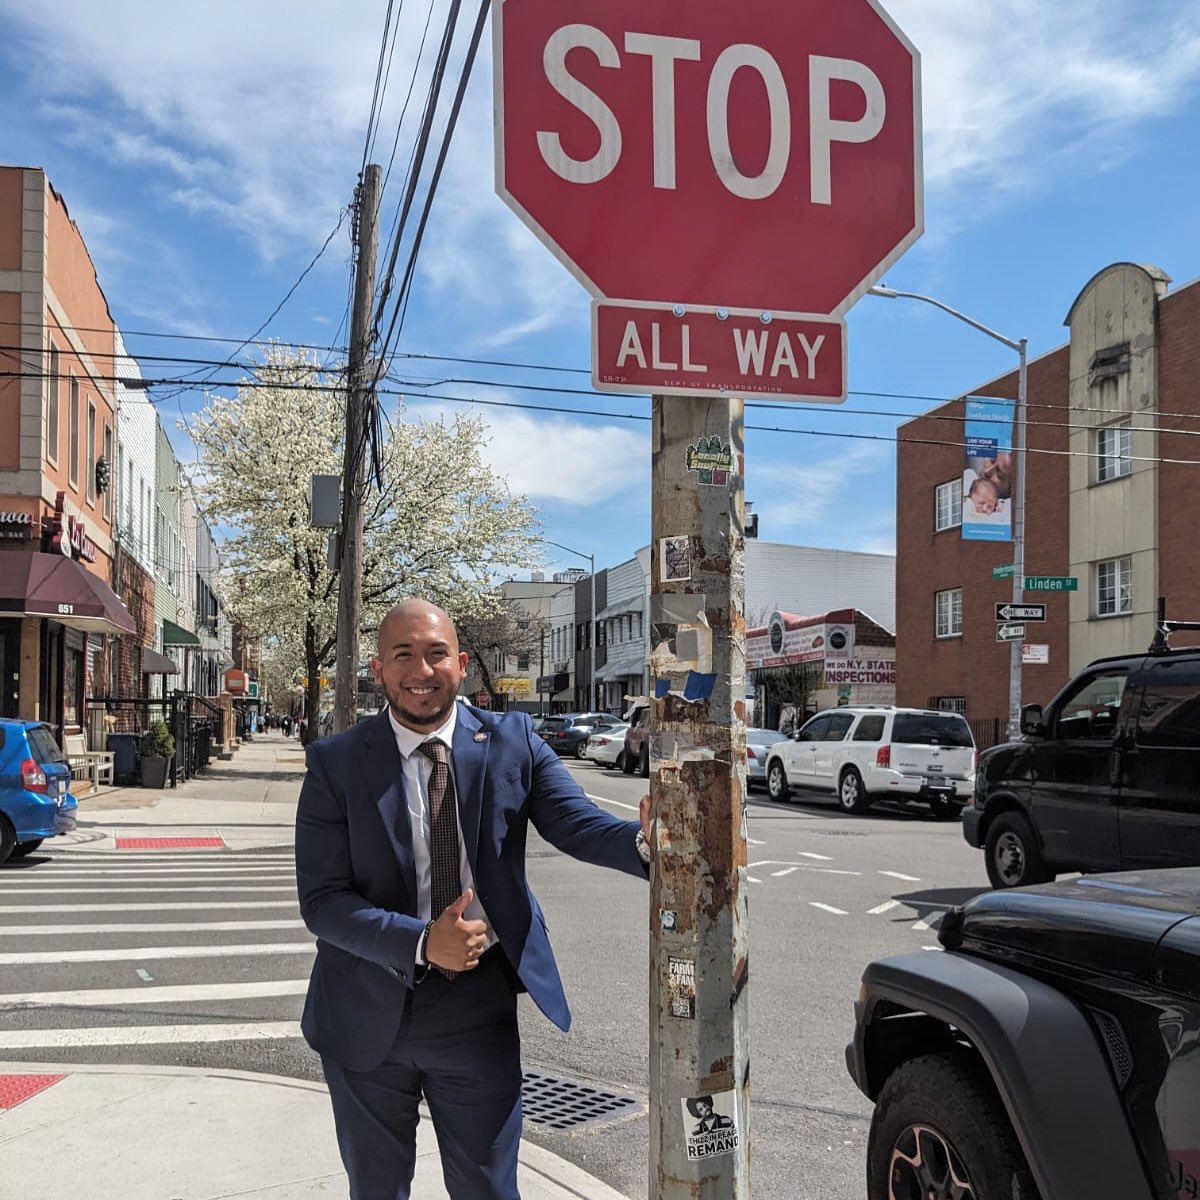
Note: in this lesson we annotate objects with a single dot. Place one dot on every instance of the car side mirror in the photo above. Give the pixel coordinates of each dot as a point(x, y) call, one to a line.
point(1033, 723)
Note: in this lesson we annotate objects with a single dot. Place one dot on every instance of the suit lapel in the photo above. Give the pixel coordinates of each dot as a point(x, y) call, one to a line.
point(384, 770)
point(470, 761)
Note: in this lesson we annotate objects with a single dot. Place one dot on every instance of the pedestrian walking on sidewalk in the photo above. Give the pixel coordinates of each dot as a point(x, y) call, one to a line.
point(410, 863)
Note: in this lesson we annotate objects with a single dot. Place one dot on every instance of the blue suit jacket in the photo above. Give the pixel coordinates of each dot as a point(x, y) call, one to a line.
point(357, 884)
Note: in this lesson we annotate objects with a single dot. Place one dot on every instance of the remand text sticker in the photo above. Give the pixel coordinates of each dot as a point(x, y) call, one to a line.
point(710, 1125)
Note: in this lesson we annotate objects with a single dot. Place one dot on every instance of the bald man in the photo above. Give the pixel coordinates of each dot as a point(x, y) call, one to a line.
point(410, 864)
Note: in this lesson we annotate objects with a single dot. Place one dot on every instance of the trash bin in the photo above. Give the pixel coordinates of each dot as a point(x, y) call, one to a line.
point(126, 752)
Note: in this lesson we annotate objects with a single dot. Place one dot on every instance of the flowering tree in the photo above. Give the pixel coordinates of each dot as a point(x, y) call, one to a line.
point(442, 526)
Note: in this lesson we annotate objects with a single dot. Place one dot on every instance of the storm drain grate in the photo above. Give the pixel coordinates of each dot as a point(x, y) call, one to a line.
point(555, 1102)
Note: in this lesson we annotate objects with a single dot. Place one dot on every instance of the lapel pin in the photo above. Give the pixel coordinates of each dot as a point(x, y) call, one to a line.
point(481, 737)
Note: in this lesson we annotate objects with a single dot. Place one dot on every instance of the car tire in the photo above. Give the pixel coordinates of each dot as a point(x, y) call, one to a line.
point(945, 810)
point(778, 787)
point(852, 794)
point(939, 1130)
point(626, 763)
point(8, 839)
point(581, 749)
point(644, 763)
point(23, 848)
point(1012, 853)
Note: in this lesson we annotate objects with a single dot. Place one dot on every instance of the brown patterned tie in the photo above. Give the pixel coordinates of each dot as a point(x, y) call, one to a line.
point(445, 882)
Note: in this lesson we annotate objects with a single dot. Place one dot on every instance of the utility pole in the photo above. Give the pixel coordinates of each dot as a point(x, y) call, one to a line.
point(350, 568)
point(699, 1028)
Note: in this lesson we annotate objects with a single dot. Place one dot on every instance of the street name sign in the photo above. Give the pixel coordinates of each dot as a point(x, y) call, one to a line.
point(1020, 612)
point(1051, 583)
point(760, 160)
point(1004, 572)
point(1010, 633)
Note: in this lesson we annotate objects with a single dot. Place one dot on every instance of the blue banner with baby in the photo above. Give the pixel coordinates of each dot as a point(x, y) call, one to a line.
point(988, 474)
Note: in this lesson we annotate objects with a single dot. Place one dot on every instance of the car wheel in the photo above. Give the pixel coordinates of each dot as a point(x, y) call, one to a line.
point(1014, 858)
point(644, 762)
point(581, 749)
point(8, 839)
point(619, 762)
point(940, 1133)
point(626, 763)
point(23, 848)
point(945, 810)
point(852, 796)
point(777, 781)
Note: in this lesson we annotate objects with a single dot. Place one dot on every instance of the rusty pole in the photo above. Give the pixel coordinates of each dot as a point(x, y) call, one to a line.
point(699, 1031)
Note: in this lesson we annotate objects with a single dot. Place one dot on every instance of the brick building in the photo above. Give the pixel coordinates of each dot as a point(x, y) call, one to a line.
point(1112, 456)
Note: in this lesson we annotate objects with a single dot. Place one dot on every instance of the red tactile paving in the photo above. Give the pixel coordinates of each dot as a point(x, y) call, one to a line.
point(15, 1088)
point(170, 843)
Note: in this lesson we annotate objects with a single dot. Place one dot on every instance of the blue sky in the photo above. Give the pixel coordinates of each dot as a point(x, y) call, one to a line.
point(206, 152)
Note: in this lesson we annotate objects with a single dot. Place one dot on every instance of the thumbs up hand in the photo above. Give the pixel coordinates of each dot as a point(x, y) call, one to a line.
point(453, 942)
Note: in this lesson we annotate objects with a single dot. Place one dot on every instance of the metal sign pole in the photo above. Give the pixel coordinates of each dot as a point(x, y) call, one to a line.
point(699, 1031)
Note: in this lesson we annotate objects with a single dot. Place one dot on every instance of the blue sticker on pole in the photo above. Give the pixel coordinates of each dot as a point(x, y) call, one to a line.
point(988, 474)
point(661, 688)
point(699, 686)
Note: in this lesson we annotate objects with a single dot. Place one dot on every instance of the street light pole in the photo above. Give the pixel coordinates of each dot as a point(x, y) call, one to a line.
point(591, 558)
point(1021, 346)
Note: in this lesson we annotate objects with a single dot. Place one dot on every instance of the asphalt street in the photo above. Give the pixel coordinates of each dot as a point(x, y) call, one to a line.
point(199, 958)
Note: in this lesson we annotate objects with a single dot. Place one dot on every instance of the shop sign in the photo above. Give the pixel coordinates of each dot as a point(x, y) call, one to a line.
point(69, 534)
point(787, 641)
point(515, 685)
point(861, 671)
point(16, 525)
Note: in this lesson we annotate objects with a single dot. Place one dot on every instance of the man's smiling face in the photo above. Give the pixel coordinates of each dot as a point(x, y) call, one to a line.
point(419, 664)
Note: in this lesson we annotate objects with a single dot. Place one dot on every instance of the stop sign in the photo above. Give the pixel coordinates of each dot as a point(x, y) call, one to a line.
point(763, 154)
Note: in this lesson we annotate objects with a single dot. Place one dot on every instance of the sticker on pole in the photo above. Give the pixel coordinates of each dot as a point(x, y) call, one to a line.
point(710, 1125)
point(676, 558)
point(681, 987)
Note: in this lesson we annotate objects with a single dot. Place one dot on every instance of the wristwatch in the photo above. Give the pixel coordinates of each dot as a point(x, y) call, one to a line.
point(643, 846)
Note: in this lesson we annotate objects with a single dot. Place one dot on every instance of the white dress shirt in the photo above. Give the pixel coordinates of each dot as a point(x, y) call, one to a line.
point(417, 771)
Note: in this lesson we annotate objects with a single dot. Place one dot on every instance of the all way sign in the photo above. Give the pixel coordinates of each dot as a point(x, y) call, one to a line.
point(1020, 612)
point(700, 351)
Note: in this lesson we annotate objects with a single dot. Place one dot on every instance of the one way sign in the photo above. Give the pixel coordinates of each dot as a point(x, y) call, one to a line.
point(1020, 612)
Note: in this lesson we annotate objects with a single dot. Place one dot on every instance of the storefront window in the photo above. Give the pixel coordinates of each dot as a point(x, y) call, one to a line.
point(72, 685)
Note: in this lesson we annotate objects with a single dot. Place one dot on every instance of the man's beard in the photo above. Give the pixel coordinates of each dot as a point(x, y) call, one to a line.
point(418, 720)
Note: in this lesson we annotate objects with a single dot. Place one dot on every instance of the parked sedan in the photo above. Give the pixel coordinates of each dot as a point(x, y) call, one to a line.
point(757, 742)
point(35, 800)
point(607, 746)
point(567, 733)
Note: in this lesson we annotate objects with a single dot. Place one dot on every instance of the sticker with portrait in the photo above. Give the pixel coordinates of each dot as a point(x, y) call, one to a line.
point(710, 1124)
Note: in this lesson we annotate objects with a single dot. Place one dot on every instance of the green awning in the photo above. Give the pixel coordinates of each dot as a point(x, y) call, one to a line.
point(176, 635)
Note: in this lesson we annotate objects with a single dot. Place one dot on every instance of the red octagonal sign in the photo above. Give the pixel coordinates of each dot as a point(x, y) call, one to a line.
point(754, 154)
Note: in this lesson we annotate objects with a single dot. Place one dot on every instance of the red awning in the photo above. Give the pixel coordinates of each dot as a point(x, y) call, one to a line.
point(50, 585)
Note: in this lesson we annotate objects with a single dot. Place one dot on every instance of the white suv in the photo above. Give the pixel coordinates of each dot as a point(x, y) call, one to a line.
point(864, 753)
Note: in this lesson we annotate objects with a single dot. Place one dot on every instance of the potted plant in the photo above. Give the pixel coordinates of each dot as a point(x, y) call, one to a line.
point(158, 748)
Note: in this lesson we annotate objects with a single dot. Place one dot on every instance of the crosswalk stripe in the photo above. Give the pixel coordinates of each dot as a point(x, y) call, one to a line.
point(884, 907)
point(167, 994)
point(146, 928)
point(837, 912)
point(898, 875)
point(926, 923)
point(147, 1035)
point(151, 953)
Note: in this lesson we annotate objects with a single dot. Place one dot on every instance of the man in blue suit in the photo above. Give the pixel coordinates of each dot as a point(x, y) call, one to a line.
point(426, 927)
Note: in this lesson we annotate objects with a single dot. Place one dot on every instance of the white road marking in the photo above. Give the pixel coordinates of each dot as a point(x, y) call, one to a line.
point(753, 879)
point(837, 912)
point(898, 875)
point(184, 993)
point(767, 862)
point(926, 923)
point(148, 927)
point(755, 842)
point(884, 907)
point(194, 874)
point(155, 891)
point(810, 854)
point(174, 906)
point(144, 975)
point(931, 947)
point(152, 952)
point(785, 871)
point(148, 1035)
point(618, 803)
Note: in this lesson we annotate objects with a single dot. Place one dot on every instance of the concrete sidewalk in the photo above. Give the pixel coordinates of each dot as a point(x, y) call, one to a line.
point(175, 1133)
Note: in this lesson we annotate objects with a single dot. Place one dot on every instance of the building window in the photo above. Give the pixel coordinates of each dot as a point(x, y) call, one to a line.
point(954, 704)
point(1114, 587)
point(52, 400)
point(107, 455)
point(948, 505)
point(523, 662)
point(89, 483)
point(1113, 451)
point(73, 435)
point(948, 613)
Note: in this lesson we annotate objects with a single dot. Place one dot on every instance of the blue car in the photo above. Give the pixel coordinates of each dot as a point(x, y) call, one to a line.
point(35, 801)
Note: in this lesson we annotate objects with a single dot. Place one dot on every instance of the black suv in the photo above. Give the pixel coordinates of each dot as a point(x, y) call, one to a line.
point(1106, 779)
point(1051, 1050)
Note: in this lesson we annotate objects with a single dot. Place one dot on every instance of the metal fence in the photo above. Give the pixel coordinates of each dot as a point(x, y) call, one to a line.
point(118, 723)
point(988, 731)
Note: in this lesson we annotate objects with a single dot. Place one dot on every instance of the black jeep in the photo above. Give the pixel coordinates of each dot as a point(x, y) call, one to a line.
point(1051, 1051)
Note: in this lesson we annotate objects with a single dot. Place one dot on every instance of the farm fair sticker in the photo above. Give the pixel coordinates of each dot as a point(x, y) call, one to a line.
point(710, 1125)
